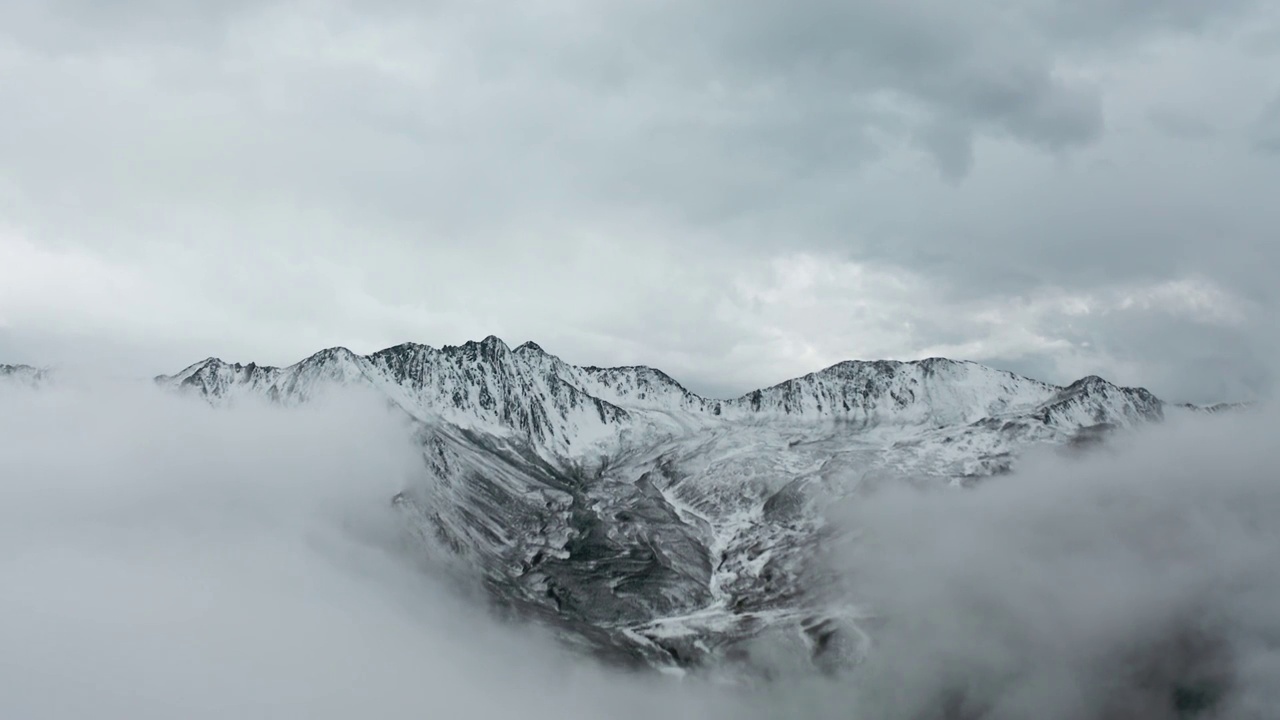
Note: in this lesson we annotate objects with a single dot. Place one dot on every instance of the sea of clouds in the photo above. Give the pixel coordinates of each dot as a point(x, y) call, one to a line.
point(161, 559)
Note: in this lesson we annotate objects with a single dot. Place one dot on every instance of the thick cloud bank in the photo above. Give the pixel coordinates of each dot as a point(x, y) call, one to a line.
point(1141, 581)
point(162, 559)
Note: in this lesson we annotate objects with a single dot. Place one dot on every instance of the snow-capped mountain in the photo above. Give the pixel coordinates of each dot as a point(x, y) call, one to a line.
point(655, 525)
point(567, 412)
point(23, 375)
point(933, 391)
point(479, 385)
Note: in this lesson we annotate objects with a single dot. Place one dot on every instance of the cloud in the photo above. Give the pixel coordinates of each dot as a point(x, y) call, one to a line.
point(1115, 585)
point(183, 560)
point(163, 558)
point(809, 311)
point(596, 176)
point(780, 318)
point(1180, 123)
point(1268, 128)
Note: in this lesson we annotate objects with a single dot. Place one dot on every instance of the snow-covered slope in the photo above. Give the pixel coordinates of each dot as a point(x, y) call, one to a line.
point(1094, 401)
point(934, 391)
point(219, 382)
point(479, 385)
point(570, 412)
point(654, 525)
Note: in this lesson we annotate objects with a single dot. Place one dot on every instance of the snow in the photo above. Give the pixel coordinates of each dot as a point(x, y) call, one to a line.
point(567, 412)
point(739, 482)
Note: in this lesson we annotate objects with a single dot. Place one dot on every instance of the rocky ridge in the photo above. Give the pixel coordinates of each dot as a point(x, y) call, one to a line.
point(565, 412)
point(656, 526)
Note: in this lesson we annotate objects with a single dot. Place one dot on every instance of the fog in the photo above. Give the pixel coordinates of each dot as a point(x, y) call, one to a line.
point(1118, 583)
point(161, 559)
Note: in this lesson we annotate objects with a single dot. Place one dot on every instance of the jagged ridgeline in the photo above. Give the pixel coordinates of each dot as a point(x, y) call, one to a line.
point(657, 527)
point(23, 375)
point(562, 410)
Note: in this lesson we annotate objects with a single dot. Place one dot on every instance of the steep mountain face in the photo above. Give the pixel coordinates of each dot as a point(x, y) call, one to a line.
point(218, 381)
point(658, 527)
point(479, 385)
point(1094, 401)
point(934, 391)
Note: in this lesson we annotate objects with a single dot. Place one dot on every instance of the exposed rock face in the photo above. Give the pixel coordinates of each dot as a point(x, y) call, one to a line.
point(656, 526)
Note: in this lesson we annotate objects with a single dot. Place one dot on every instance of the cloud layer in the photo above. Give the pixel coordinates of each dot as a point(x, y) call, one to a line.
point(259, 180)
point(162, 557)
point(179, 561)
point(1123, 584)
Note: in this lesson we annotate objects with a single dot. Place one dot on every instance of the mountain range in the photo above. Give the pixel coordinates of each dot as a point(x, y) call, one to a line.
point(564, 412)
point(23, 374)
point(655, 527)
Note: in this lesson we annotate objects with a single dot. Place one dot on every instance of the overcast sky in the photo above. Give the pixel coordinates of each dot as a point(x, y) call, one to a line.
point(736, 192)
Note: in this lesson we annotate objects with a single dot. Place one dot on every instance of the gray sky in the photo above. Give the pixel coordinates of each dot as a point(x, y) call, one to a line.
point(736, 192)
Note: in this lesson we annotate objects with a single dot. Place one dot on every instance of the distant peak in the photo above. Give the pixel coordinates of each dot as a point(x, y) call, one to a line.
point(1086, 382)
point(490, 349)
point(209, 362)
point(405, 348)
point(854, 365)
point(333, 352)
point(20, 368)
point(216, 364)
point(492, 341)
point(531, 346)
point(25, 373)
point(884, 364)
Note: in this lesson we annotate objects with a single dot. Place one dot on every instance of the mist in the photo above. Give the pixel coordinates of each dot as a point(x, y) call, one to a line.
point(1140, 580)
point(164, 559)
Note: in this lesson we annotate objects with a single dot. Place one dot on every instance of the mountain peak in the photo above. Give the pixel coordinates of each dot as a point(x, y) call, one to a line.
point(1095, 400)
point(484, 384)
point(405, 349)
point(491, 344)
point(216, 379)
point(330, 354)
point(210, 362)
point(891, 366)
point(1088, 381)
point(869, 392)
point(25, 374)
